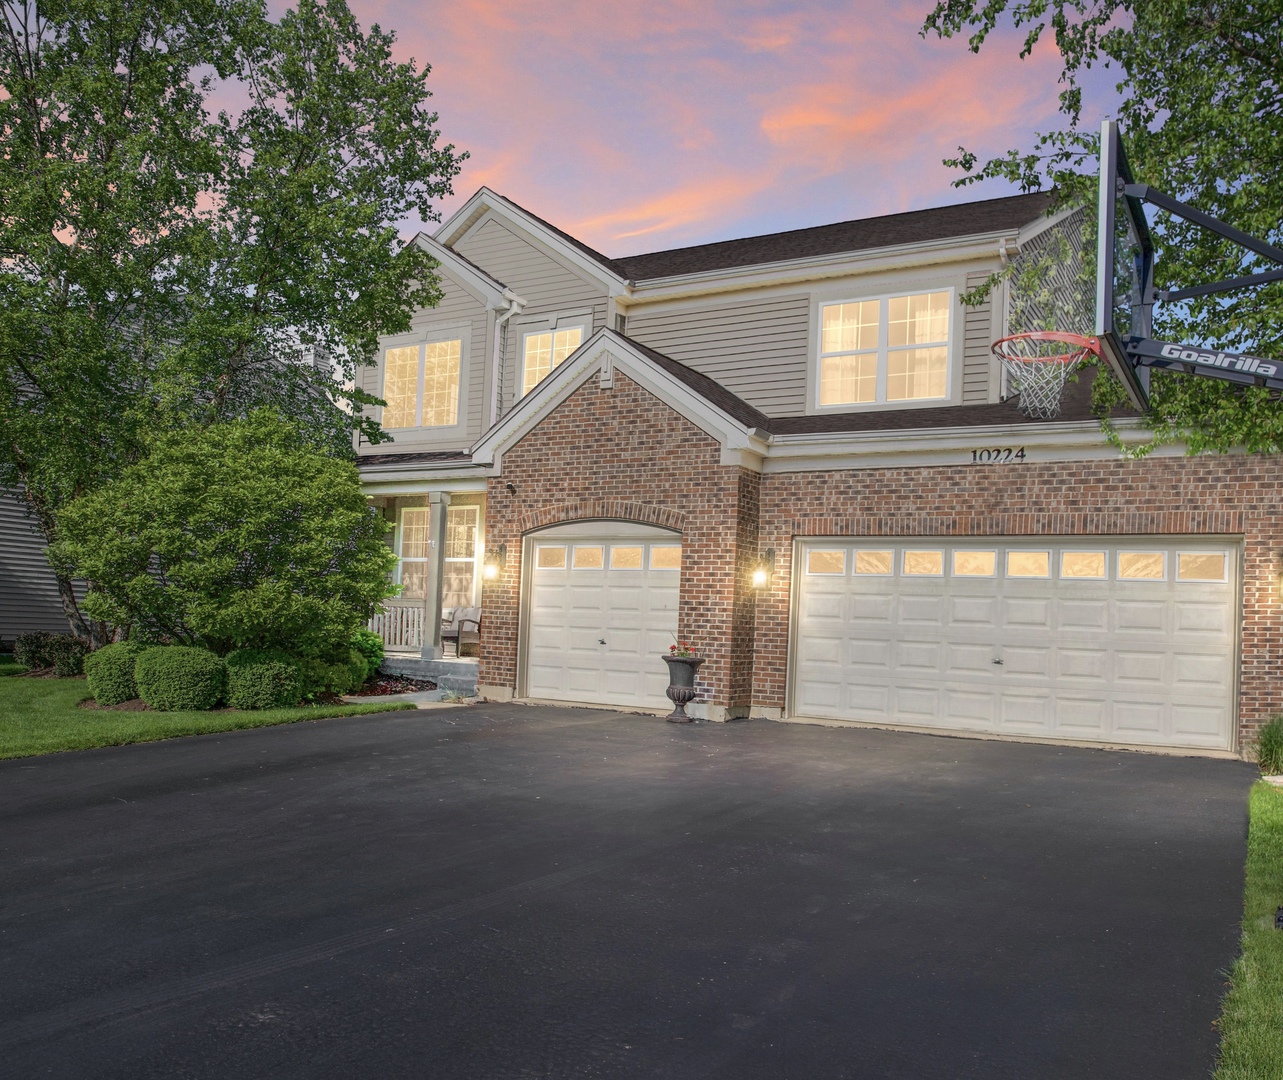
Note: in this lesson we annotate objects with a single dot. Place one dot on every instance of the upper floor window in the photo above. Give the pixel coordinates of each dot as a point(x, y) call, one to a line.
point(541, 352)
point(421, 384)
point(892, 349)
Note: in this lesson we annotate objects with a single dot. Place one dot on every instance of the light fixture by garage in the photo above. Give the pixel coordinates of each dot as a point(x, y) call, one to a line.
point(763, 570)
point(494, 563)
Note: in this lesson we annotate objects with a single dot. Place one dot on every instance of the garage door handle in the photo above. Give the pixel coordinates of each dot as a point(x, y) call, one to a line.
point(601, 641)
point(996, 660)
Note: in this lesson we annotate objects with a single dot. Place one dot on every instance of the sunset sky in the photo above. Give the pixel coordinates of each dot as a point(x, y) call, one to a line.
point(638, 127)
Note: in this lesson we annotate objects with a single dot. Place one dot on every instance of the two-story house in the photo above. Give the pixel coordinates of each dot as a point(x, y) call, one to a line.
point(794, 451)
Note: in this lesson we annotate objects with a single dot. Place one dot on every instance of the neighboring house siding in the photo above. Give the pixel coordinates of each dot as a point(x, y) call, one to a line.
point(28, 592)
point(457, 305)
point(978, 384)
point(757, 349)
point(545, 284)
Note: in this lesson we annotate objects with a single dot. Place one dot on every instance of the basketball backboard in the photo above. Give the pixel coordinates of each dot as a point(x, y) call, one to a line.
point(1126, 293)
point(1124, 267)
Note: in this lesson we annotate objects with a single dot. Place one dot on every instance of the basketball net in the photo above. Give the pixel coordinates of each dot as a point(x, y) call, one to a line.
point(1038, 363)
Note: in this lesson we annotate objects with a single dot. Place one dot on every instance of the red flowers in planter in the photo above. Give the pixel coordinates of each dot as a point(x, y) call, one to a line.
point(682, 648)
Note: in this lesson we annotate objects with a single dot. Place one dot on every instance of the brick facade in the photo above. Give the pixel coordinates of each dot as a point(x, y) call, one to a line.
point(1206, 496)
point(618, 452)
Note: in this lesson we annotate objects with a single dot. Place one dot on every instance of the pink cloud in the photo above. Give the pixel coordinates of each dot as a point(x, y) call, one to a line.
point(646, 126)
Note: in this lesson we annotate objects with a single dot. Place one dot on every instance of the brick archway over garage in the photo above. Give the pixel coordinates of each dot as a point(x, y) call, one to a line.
point(564, 513)
point(618, 452)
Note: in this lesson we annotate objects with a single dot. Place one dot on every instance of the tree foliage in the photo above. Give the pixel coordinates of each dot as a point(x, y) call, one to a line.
point(237, 535)
point(1201, 106)
point(163, 268)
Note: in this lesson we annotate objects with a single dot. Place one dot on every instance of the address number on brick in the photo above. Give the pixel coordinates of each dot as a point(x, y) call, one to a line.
point(998, 455)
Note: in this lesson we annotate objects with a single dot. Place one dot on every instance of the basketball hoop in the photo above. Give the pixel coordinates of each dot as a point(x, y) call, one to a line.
point(1038, 363)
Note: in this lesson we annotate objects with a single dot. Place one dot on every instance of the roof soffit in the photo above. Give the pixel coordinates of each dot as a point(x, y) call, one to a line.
point(488, 291)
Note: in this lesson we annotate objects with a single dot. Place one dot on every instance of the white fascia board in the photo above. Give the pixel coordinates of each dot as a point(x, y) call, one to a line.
point(1078, 440)
point(463, 219)
point(603, 354)
point(493, 294)
point(841, 264)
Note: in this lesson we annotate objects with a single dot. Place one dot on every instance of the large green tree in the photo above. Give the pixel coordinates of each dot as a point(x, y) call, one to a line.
point(163, 267)
point(1201, 105)
point(236, 534)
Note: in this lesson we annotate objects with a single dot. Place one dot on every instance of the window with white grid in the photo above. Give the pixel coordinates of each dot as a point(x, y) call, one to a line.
point(891, 349)
point(542, 352)
point(421, 384)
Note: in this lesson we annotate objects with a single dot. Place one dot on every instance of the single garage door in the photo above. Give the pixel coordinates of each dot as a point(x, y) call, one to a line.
point(601, 610)
point(1117, 640)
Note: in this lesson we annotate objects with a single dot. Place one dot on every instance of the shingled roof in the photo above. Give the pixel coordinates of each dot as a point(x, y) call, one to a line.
point(917, 226)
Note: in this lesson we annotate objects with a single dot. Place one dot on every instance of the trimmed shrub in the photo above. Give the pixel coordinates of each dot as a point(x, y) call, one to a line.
point(334, 676)
point(32, 649)
point(171, 678)
point(262, 679)
point(110, 671)
point(1269, 747)
point(67, 656)
point(369, 645)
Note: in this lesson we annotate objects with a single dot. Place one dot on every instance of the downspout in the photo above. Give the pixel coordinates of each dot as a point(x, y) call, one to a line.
point(515, 306)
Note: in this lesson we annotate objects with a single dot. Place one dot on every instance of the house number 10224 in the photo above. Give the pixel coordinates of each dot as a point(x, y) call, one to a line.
point(1001, 455)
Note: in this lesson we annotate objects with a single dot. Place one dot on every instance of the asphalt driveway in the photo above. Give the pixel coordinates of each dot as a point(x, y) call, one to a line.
point(503, 892)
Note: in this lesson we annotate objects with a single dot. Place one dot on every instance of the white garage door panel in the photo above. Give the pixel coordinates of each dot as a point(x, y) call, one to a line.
point(596, 634)
point(1140, 660)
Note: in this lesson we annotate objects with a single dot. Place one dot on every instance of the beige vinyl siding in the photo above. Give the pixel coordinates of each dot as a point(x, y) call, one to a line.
point(457, 306)
point(28, 592)
point(978, 386)
point(757, 349)
point(545, 284)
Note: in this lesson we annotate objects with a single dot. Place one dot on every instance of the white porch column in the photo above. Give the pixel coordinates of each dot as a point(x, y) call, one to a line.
point(438, 507)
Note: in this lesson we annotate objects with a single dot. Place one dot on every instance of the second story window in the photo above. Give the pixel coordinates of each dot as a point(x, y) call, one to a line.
point(421, 385)
point(544, 351)
point(892, 349)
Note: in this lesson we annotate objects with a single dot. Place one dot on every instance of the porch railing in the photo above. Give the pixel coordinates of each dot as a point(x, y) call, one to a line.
point(400, 625)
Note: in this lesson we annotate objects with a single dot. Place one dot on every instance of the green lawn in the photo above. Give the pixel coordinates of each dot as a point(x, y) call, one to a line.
point(1252, 1017)
point(41, 716)
point(7, 665)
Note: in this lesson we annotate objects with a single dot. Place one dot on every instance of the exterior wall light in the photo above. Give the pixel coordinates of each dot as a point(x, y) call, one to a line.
point(494, 563)
point(763, 570)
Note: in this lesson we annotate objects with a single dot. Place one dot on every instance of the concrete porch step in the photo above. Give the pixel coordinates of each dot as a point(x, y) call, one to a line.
point(457, 676)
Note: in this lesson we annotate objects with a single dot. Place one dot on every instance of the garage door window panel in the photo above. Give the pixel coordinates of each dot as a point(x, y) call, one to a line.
point(550, 557)
point(1142, 566)
point(1083, 564)
point(665, 557)
point(588, 558)
point(626, 558)
point(821, 561)
point(1201, 566)
point(874, 563)
point(975, 564)
point(923, 563)
point(1029, 564)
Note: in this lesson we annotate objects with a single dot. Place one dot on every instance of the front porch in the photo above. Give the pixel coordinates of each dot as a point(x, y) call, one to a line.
point(439, 539)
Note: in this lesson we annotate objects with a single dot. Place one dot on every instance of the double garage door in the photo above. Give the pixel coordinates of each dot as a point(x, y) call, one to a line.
point(601, 610)
point(1123, 641)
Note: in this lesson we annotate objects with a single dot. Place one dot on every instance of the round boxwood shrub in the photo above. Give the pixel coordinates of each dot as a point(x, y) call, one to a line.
point(335, 676)
point(262, 679)
point(32, 649)
point(67, 656)
point(174, 677)
point(369, 645)
point(110, 672)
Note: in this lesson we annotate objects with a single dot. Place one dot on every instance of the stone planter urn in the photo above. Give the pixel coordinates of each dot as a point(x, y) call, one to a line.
point(681, 685)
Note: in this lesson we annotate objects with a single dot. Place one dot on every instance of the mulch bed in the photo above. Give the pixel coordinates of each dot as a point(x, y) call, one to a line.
point(393, 684)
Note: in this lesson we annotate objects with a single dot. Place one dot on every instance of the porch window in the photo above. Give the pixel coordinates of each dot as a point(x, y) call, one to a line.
point(459, 587)
point(421, 385)
point(413, 567)
point(543, 352)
